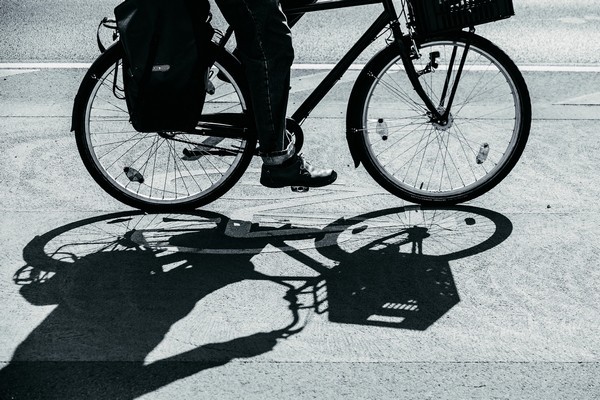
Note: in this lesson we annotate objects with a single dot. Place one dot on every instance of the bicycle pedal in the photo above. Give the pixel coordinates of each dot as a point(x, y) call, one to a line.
point(191, 155)
point(299, 189)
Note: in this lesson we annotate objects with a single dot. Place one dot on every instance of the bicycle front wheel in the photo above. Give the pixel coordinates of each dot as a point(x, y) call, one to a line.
point(427, 162)
point(162, 171)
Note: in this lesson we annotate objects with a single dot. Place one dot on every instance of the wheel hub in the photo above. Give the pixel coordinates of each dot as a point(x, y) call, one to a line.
point(167, 135)
point(442, 125)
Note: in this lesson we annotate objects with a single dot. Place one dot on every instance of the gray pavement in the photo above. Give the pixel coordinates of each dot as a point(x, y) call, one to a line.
point(542, 31)
point(503, 303)
point(517, 317)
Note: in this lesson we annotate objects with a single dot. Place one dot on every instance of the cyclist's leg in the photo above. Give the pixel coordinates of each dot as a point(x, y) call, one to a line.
point(265, 48)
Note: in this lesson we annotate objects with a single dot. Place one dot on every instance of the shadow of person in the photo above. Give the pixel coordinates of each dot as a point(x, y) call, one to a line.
point(122, 306)
point(113, 307)
point(123, 379)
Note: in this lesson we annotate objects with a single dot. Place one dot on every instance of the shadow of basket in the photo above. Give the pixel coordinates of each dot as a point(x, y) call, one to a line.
point(394, 265)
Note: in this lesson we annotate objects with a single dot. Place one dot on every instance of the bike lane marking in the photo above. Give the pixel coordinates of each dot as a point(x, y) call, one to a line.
point(241, 219)
point(242, 224)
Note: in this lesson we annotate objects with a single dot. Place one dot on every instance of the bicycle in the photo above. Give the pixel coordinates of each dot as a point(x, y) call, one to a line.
point(419, 133)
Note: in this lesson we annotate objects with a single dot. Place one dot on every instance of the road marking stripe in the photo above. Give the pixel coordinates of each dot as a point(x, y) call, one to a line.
point(44, 65)
point(529, 68)
point(559, 68)
point(320, 67)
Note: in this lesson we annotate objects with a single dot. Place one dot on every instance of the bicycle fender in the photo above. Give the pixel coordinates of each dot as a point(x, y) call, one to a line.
point(357, 101)
point(353, 146)
point(353, 123)
point(89, 79)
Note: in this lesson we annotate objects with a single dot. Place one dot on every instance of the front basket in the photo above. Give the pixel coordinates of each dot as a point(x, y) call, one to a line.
point(435, 16)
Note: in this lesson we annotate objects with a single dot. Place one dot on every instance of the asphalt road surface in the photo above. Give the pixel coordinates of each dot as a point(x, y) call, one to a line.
point(543, 31)
point(266, 294)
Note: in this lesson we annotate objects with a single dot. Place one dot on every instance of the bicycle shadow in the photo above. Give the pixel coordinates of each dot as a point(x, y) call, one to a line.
point(116, 300)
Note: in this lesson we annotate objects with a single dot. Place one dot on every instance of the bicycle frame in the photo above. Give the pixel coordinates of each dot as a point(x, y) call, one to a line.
point(388, 17)
point(224, 125)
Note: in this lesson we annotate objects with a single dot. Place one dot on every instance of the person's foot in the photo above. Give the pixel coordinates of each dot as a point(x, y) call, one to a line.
point(296, 172)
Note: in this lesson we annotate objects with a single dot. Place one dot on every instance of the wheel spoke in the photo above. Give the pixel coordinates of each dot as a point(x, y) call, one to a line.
point(438, 160)
point(162, 176)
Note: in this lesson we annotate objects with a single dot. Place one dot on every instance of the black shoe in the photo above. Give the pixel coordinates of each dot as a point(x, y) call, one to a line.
point(296, 172)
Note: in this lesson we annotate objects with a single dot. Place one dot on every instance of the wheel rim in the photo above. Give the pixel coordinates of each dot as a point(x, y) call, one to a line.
point(153, 168)
point(434, 160)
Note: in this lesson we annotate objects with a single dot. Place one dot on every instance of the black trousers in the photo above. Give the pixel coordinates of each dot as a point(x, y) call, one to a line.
point(264, 44)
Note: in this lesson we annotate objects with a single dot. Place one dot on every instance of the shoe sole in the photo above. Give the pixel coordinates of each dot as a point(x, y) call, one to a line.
point(278, 186)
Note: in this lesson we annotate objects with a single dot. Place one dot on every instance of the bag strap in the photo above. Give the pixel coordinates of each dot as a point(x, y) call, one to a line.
point(107, 23)
point(200, 28)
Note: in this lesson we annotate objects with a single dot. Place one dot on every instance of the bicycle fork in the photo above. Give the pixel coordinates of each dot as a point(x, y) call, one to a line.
point(438, 114)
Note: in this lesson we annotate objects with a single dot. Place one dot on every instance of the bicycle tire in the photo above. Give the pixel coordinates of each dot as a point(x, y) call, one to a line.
point(160, 172)
point(505, 138)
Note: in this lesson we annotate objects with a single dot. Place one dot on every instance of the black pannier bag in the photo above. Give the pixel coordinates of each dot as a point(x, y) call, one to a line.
point(166, 61)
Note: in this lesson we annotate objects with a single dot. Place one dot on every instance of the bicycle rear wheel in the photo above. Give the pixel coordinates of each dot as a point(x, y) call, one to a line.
point(163, 171)
point(424, 161)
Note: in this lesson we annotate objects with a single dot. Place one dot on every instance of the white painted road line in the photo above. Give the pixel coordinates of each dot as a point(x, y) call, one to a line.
point(559, 68)
point(320, 67)
point(42, 65)
point(528, 68)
